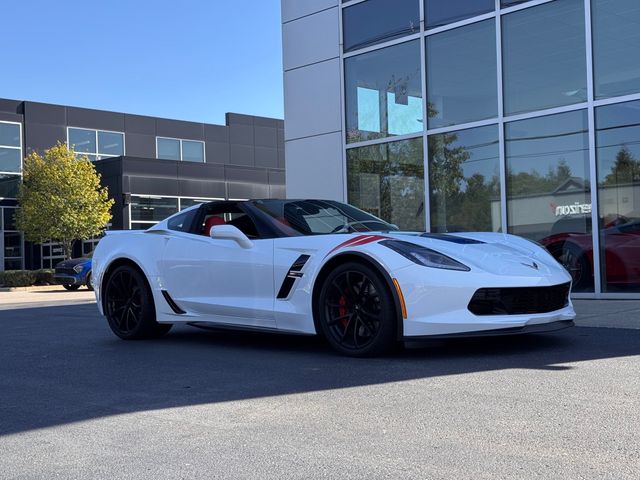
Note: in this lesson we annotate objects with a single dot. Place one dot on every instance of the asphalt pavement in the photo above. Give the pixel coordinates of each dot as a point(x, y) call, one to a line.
point(76, 402)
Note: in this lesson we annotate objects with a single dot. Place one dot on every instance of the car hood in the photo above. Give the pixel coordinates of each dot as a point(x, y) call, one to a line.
point(492, 252)
point(73, 262)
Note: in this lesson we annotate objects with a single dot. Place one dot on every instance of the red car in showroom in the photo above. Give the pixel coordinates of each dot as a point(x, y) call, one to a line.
point(571, 244)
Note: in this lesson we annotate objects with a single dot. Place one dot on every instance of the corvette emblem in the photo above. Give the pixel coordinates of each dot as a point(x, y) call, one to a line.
point(533, 265)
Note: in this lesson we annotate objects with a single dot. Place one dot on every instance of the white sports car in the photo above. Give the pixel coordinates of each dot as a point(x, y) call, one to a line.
point(324, 267)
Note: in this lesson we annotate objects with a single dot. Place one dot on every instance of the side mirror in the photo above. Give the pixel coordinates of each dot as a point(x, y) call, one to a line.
point(229, 232)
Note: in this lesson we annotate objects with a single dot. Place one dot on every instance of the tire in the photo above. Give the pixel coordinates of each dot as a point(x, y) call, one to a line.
point(129, 306)
point(71, 288)
point(88, 282)
point(571, 257)
point(356, 311)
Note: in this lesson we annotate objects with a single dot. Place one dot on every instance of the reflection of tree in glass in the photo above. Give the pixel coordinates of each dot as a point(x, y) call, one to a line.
point(458, 202)
point(398, 170)
point(626, 169)
point(533, 183)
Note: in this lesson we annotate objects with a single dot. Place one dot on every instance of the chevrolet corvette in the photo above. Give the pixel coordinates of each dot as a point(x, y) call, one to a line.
point(323, 267)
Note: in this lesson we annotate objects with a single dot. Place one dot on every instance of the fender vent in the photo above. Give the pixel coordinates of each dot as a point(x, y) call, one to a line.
point(293, 273)
point(174, 306)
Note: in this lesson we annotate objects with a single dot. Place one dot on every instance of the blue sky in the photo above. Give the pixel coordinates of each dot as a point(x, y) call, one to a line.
point(183, 59)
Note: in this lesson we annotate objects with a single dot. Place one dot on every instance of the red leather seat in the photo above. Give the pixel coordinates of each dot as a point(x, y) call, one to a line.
point(210, 223)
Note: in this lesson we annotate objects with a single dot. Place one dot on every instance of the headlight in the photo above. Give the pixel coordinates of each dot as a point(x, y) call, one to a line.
point(78, 268)
point(424, 256)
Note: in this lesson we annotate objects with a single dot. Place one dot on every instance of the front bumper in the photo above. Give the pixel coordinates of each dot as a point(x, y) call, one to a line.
point(437, 303)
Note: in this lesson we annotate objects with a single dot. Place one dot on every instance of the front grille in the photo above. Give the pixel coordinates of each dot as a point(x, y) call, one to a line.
point(65, 271)
point(518, 301)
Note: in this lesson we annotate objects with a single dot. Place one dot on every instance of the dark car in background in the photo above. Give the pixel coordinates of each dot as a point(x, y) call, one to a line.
point(74, 273)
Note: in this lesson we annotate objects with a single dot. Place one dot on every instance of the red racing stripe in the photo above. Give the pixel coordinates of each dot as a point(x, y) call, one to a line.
point(357, 242)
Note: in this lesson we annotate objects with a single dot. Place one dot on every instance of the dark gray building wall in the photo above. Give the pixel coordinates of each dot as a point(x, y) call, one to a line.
point(244, 157)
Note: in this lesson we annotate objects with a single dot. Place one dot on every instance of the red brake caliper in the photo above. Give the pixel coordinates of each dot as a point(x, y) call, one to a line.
point(342, 311)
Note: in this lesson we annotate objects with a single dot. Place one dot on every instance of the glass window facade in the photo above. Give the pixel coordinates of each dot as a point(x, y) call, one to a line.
point(513, 129)
point(388, 181)
point(180, 150)
point(95, 144)
point(461, 75)
point(464, 174)
point(376, 21)
point(152, 209)
point(441, 12)
point(618, 166)
point(548, 188)
point(384, 93)
point(10, 147)
point(616, 43)
point(544, 59)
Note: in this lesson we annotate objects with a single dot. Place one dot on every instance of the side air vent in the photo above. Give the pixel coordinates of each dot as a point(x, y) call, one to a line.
point(293, 273)
point(174, 306)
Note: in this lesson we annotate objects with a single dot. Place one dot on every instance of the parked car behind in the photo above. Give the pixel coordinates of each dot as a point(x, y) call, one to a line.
point(74, 273)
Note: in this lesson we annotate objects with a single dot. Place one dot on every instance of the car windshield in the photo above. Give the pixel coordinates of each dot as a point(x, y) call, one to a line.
point(319, 217)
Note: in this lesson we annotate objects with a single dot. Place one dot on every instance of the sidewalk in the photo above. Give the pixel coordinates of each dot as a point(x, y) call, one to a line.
point(608, 313)
point(45, 297)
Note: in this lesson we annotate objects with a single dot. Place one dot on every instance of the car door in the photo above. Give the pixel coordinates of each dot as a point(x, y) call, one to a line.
point(219, 280)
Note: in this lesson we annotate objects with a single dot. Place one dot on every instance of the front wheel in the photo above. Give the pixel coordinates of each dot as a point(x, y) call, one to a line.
point(129, 306)
point(71, 288)
point(575, 261)
point(356, 311)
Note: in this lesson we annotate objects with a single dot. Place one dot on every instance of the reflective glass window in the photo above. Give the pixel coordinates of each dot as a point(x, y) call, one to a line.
point(110, 143)
point(616, 46)
point(384, 92)
point(544, 56)
point(461, 75)
point(511, 3)
point(387, 181)
point(442, 12)
point(10, 160)
point(82, 140)
point(376, 21)
point(548, 188)
point(9, 185)
point(168, 148)
point(618, 166)
point(464, 171)
point(9, 215)
point(152, 209)
point(192, 151)
point(10, 135)
point(190, 202)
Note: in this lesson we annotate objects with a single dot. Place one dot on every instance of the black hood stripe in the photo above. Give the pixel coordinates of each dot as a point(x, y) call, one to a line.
point(452, 238)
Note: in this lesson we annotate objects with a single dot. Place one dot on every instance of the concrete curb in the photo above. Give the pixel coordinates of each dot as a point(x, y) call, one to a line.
point(33, 288)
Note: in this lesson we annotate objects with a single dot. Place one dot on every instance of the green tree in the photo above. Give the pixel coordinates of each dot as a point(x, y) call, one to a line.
point(626, 169)
point(61, 198)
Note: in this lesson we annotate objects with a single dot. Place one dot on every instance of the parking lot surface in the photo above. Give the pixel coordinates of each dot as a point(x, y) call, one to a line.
point(76, 402)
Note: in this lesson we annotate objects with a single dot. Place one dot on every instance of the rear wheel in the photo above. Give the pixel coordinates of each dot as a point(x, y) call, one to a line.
point(71, 288)
point(129, 306)
point(356, 311)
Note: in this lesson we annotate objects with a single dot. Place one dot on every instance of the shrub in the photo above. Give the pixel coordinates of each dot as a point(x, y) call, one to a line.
point(18, 278)
point(44, 276)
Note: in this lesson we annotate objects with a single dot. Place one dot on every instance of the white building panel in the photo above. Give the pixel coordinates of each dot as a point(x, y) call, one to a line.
point(315, 168)
point(312, 103)
point(292, 9)
point(311, 39)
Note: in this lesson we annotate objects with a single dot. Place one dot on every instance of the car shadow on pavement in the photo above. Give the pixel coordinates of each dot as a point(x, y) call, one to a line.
point(62, 364)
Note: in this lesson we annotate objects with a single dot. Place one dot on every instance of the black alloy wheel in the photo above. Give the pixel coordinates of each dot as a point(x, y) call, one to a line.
point(129, 307)
point(357, 313)
point(71, 288)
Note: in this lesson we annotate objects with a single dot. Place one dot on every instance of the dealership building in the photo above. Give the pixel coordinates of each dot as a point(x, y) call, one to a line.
point(153, 167)
point(492, 115)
